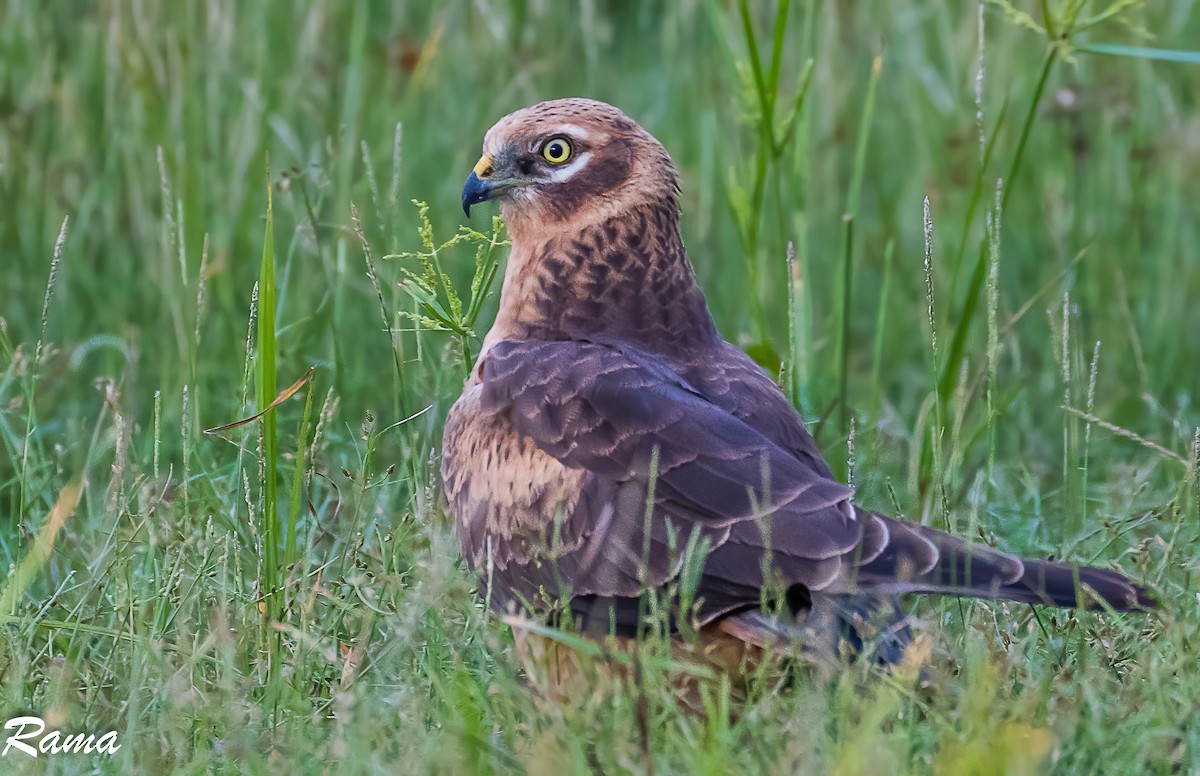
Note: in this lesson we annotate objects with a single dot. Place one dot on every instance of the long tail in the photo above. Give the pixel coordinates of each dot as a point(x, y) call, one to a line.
point(901, 557)
point(897, 557)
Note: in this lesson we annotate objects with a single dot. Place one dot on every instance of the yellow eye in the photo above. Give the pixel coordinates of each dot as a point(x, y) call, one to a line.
point(557, 150)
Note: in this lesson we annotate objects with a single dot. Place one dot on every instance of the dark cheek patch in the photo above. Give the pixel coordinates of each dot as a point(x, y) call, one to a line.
point(609, 168)
point(616, 158)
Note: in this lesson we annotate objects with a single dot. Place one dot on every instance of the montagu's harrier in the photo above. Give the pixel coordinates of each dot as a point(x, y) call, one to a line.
point(610, 443)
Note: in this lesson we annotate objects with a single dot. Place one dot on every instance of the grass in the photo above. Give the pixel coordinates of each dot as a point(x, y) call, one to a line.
point(286, 593)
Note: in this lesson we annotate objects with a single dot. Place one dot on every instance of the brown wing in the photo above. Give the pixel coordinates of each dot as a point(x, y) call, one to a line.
point(896, 556)
point(733, 381)
point(620, 425)
point(550, 463)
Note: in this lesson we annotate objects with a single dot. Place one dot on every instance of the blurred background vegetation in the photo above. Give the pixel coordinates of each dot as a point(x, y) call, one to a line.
point(285, 592)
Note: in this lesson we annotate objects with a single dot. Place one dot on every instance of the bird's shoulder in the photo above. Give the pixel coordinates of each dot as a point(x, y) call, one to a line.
point(720, 375)
point(729, 378)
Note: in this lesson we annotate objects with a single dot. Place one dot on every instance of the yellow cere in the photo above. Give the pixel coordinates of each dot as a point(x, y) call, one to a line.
point(483, 167)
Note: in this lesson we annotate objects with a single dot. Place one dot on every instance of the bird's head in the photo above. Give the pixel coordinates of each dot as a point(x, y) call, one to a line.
point(569, 159)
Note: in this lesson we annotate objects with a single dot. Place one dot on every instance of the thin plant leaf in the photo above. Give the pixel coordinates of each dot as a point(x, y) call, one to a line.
point(1127, 434)
point(39, 553)
point(580, 644)
point(1138, 52)
point(284, 395)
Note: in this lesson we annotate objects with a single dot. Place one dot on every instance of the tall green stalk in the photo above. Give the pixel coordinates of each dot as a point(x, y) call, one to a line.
point(966, 317)
point(265, 389)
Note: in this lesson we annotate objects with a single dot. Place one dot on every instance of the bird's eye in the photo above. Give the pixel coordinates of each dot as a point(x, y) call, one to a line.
point(556, 150)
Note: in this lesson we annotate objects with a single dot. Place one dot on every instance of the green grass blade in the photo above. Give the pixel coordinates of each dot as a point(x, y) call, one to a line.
point(864, 135)
point(298, 497)
point(265, 389)
point(847, 304)
point(889, 252)
point(958, 343)
point(1137, 52)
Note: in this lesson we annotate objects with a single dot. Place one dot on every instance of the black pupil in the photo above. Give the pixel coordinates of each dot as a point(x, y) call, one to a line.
point(556, 149)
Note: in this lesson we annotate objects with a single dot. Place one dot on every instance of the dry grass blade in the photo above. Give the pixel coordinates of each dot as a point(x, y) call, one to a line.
point(43, 545)
point(1127, 434)
point(283, 396)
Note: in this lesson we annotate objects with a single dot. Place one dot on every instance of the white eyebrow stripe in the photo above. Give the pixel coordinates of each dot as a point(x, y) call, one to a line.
point(573, 130)
point(561, 174)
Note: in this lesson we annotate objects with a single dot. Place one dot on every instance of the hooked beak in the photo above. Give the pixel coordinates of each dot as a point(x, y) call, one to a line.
point(477, 189)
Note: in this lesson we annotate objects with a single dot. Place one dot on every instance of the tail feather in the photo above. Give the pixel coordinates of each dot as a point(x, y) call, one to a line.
point(918, 559)
point(897, 557)
point(1060, 584)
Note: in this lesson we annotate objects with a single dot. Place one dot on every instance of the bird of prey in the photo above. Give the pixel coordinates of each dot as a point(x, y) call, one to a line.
point(611, 446)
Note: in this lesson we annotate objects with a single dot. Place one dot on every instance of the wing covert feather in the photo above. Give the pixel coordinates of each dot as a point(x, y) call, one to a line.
point(619, 415)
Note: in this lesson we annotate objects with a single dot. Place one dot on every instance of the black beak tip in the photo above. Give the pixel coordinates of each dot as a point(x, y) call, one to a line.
point(475, 190)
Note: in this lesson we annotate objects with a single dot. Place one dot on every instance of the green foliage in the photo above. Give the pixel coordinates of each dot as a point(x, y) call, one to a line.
point(158, 586)
point(439, 306)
